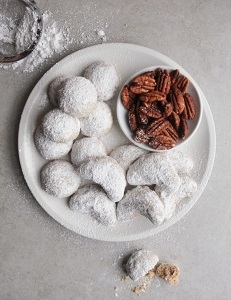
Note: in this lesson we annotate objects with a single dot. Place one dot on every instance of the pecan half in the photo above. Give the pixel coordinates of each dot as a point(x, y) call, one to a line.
point(189, 111)
point(151, 109)
point(146, 81)
point(174, 118)
point(141, 136)
point(132, 118)
point(167, 109)
point(127, 97)
point(162, 142)
point(183, 129)
point(175, 97)
point(138, 89)
point(182, 83)
point(156, 127)
point(163, 81)
point(174, 75)
point(153, 96)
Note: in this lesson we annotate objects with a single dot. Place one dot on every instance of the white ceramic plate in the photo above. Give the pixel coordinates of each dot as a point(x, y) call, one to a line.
point(128, 59)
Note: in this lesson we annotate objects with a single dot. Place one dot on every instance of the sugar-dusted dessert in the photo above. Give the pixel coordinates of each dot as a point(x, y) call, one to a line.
point(154, 168)
point(92, 199)
point(77, 96)
point(144, 201)
point(105, 79)
point(187, 188)
point(59, 178)
point(126, 155)
point(60, 127)
point(106, 172)
point(53, 88)
point(86, 148)
point(181, 161)
point(140, 262)
point(48, 148)
point(99, 122)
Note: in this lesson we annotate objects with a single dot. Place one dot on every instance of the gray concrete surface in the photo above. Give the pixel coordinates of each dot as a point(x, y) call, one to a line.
point(40, 259)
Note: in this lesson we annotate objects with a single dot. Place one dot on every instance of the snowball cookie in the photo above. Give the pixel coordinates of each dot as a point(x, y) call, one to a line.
point(151, 169)
point(53, 88)
point(86, 148)
point(99, 122)
point(181, 161)
point(59, 178)
point(49, 149)
point(105, 79)
point(77, 96)
point(106, 172)
point(144, 201)
point(140, 262)
point(60, 127)
point(126, 155)
point(91, 199)
point(188, 187)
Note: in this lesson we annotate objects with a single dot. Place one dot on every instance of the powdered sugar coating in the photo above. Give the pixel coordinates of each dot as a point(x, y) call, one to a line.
point(106, 172)
point(125, 155)
point(59, 178)
point(53, 88)
point(187, 188)
point(181, 161)
point(99, 122)
point(140, 262)
point(48, 148)
point(141, 200)
point(77, 96)
point(86, 148)
point(91, 199)
point(60, 127)
point(105, 79)
point(154, 168)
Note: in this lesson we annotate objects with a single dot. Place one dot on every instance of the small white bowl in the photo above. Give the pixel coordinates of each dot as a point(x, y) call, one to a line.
point(122, 112)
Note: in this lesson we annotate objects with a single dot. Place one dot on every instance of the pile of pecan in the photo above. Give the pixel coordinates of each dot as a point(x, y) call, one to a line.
point(158, 107)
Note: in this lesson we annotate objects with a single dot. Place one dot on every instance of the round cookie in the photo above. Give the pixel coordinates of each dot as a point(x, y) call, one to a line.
point(60, 127)
point(77, 96)
point(105, 79)
point(86, 148)
point(99, 122)
point(48, 148)
point(53, 88)
point(59, 178)
point(91, 199)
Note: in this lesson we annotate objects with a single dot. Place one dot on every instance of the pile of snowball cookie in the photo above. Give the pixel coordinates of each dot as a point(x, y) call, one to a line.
point(125, 183)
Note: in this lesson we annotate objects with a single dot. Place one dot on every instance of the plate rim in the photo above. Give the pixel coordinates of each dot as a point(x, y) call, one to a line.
point(206, 112)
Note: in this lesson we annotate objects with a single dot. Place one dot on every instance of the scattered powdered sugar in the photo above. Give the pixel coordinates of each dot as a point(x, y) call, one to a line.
point(54, 39)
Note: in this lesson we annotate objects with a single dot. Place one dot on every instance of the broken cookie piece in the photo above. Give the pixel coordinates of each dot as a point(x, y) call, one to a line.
point(168, 272)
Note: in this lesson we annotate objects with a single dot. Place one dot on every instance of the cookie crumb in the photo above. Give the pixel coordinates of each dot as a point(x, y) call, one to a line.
point(125, 278)
point(140, 288)
point(151, 273)
point(168, 272)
